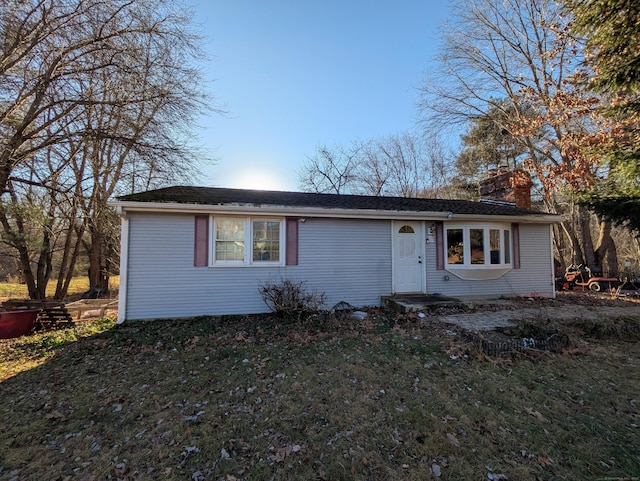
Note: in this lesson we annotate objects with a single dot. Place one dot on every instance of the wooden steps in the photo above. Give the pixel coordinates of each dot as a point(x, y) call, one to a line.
point(52, 315)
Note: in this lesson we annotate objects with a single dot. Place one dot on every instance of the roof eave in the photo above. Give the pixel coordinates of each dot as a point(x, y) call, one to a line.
point(283, 210)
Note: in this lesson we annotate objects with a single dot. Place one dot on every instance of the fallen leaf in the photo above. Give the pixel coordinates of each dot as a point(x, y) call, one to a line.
point(535, 414)
point(281, 454)
point(453, 439)
point(54, 415)
point(544, 461)
point(481, 428)
point(101, 343)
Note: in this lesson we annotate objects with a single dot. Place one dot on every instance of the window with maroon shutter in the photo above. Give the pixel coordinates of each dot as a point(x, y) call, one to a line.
point(245, 241)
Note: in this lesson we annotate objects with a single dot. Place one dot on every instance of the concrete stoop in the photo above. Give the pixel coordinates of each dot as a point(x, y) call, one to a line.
point(417, 302)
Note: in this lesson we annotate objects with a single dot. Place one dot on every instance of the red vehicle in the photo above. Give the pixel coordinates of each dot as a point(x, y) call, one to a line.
point(588, 278)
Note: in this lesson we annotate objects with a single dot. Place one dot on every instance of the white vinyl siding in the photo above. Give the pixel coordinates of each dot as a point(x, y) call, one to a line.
point(348, 260)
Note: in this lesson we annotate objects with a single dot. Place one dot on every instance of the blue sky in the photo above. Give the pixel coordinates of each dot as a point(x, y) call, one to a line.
point(296, 74)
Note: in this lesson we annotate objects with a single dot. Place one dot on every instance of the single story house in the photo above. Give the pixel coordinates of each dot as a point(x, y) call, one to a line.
point(190, 251)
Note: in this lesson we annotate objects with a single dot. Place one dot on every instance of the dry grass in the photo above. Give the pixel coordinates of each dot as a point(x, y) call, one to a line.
point(329, 398)
point(77, 286)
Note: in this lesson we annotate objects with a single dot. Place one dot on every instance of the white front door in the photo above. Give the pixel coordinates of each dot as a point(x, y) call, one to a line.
point(408, 257)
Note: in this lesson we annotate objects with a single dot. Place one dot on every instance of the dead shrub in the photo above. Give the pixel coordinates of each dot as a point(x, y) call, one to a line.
point(288, 298)
point(623, 329)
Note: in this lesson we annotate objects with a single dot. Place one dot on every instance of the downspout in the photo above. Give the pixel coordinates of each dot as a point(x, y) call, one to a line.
point(124, 265)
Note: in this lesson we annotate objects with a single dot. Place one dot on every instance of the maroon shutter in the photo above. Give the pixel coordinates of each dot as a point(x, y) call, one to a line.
point(515, 236)
point(201, 243)
point(439, 245)
point(291, 242)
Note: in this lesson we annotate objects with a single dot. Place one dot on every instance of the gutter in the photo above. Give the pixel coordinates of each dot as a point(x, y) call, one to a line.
point(243, 209)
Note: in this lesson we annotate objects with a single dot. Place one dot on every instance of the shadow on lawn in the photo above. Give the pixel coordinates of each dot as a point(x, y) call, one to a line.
point(325, 398)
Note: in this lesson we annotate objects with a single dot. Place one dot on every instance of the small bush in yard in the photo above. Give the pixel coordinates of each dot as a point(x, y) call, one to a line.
point(287, 298)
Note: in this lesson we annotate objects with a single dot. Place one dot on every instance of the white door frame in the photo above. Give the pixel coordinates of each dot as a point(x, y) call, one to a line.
point(420, 265)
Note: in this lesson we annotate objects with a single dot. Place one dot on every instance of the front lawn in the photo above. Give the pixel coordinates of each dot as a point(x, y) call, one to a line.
point(330, 398)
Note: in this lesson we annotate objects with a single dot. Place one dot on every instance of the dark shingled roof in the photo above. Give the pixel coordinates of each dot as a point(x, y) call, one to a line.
point(220, 196)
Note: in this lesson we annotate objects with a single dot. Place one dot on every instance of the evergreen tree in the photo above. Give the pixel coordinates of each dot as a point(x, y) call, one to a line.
point(612, 39)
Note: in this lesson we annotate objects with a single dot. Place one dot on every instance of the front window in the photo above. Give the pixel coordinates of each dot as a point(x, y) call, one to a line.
point(247, 241)
point(476, 243)
point(266, 240)
point(455, 246)
point(229, 240)
point(478, 246)
point(494, 245)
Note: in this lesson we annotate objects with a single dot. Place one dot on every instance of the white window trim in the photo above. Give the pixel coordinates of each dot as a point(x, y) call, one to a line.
point(248, 242)
point(484, 271)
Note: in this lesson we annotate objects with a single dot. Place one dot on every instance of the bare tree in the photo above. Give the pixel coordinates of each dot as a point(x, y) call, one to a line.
point(98, 99)
point(403, 165)
point(330, 170)
point(519, 51)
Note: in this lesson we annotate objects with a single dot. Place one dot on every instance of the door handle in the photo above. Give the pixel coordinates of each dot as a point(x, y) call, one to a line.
point(419, 259)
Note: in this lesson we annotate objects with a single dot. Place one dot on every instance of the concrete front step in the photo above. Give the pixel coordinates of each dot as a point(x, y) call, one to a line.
point(417, 302)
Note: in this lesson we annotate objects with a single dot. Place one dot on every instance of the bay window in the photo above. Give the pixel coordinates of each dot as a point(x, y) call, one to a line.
point(455, 246)
point(476, 245)
point(470, 249)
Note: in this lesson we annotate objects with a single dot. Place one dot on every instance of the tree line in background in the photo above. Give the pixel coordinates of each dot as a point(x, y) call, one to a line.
point(96, 97)
point(552, 90)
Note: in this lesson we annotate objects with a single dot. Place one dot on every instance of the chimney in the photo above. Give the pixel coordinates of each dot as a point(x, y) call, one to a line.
point(510, 187)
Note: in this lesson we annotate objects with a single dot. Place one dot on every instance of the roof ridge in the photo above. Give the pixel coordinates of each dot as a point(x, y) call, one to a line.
point(189, 194)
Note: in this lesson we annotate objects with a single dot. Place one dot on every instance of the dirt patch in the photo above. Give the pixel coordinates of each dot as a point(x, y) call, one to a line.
point(506, 326)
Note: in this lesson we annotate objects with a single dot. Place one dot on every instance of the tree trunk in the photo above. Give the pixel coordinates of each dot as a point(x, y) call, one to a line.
point(583, 228)
point(36, 283)
point(43, 268)
point(98, 275)
point(69, 260)
point(27, 273)
point(575, 256)
point(606, 252)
